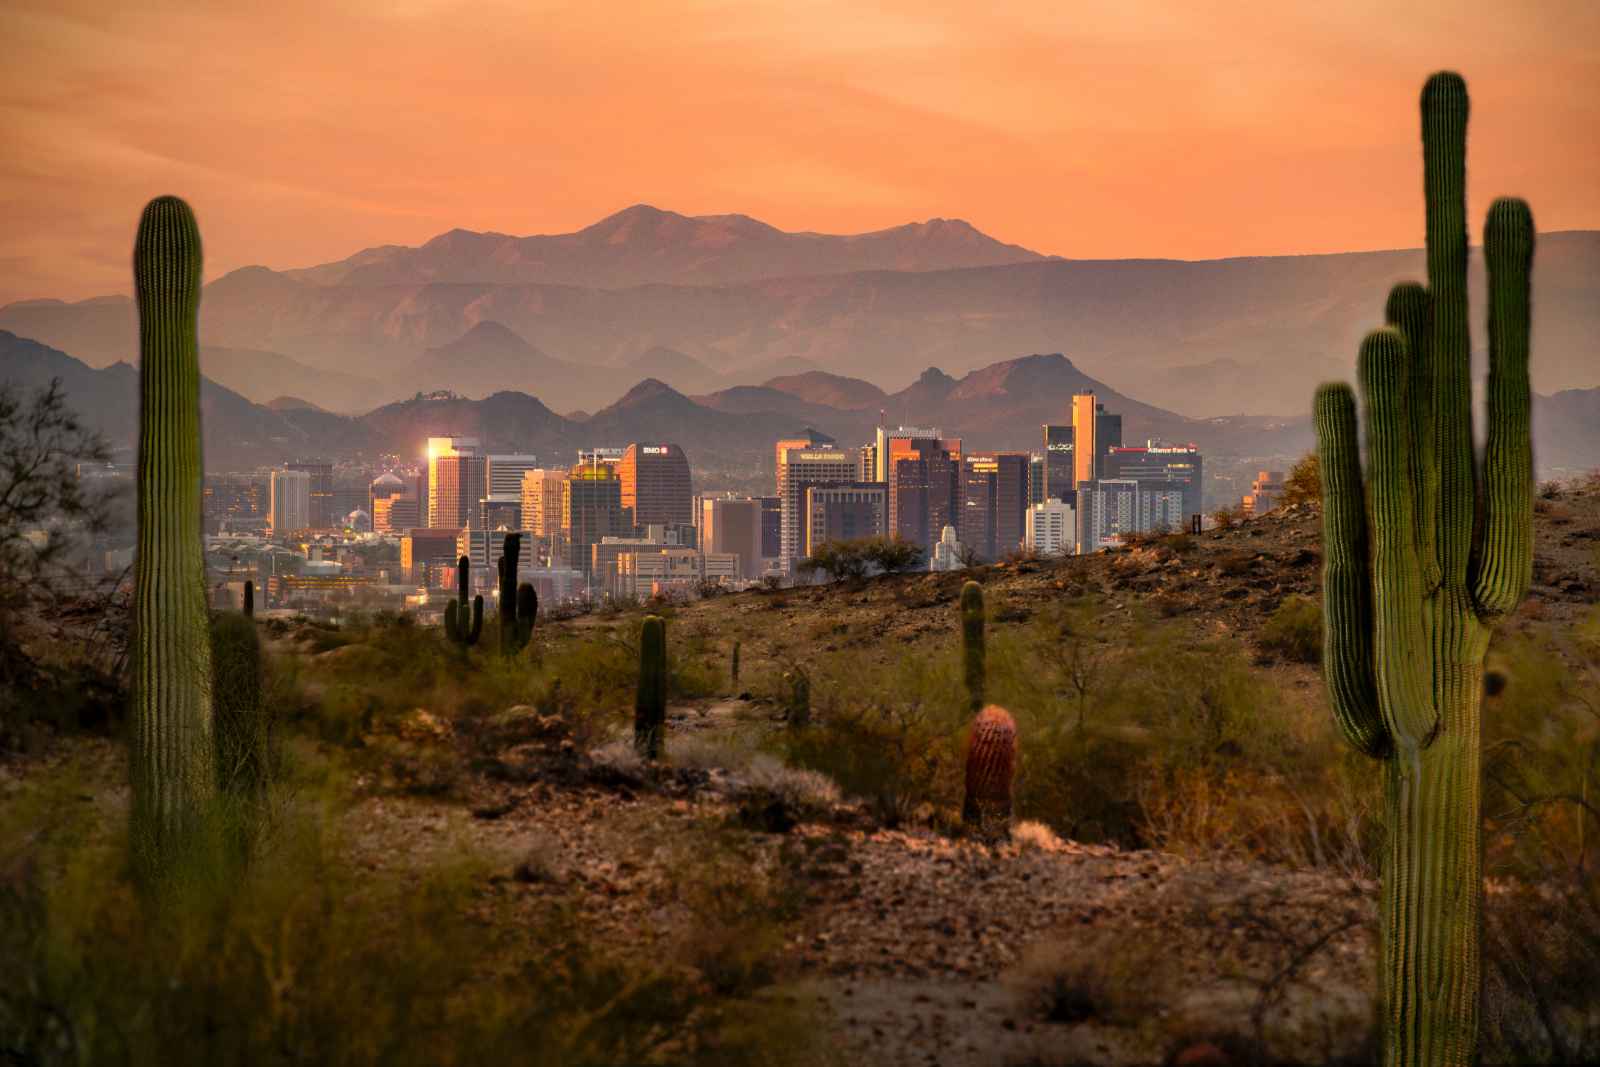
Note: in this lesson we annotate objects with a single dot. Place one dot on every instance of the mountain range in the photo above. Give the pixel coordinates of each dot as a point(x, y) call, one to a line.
point(730, 430)
point(703, 303)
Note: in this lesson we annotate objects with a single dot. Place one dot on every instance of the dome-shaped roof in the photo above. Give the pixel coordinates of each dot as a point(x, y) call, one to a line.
point(386, 480)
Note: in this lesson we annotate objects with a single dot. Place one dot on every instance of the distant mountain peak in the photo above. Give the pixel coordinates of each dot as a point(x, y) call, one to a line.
point(647, 390)
point(487, 333)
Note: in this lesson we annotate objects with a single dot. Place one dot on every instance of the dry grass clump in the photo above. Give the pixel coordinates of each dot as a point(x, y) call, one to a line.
point(1103, 975)
point(302, 956)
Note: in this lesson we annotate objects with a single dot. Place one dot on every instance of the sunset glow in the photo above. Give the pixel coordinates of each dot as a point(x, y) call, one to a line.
point(303, 132)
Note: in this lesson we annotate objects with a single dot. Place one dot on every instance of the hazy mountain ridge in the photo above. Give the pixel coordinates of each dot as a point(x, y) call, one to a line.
point(1002, 405)
point(644, 245)
point(1249, 334)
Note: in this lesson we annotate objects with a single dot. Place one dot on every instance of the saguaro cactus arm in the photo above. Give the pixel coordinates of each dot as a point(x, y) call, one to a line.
point(1503, 567)
point(1347, 590)
point(1410, 310)
point(456, 625)
point(1444, 155)
point(1406, 704)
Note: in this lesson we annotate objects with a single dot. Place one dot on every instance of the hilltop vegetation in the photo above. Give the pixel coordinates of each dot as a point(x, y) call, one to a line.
point(467, 860)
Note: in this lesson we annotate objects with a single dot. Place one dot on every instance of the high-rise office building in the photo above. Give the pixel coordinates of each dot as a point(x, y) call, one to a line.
point(424, 547)
point(503, 474)
point(1094, 432)
point(656, 484)
point(1167, 466)
point(1036, 469)
point(1112, 507)
point(1083, 439)
point(591, 509)
point(1051, 529)
point(322, 511)
point(1264, 494)
point(383, 487)
point(802, 462)
point(1059, 474)
point(455, 481)
point(501, 506)
point(994, 503)
point(602, 454)
point(733, 525)
point(886, 441)
point(290, 502)
point(541, 500)
point(924, 488)
point(771, 527)
point(844, 512)
point(499, 513)
point(867, 463)
point(233, 502)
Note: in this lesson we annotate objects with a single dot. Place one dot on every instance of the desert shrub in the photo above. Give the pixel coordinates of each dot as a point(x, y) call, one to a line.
point(309, 958)
point(739, 900)
point(890, 737)
point(386, 670)
point(1295, 630)
point(1100, 975)
point(1226, 518)
point(1303, 484)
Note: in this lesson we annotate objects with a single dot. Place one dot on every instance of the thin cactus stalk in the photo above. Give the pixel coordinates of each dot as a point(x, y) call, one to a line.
point(972, 651)
point(527, 613)
point(249, 607)
point(509, 555)
point(798, 711)
point(735, 665)
point(990, 771)
point(459, 627)
point(650, 704)
point(173, 773)
point(1413, 593)
point(240, 724)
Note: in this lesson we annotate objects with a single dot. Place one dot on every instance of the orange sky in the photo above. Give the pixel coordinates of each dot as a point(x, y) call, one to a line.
point(302, 132)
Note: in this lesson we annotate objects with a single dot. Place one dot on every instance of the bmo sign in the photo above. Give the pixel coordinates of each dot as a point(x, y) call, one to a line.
point(654, 450)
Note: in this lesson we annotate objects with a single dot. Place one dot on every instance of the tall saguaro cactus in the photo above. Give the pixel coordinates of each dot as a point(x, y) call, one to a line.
point(460, 626)
point(172, 765)
point(650, 703)
point(1412, 594)
point(516, 618)
point(972, 651)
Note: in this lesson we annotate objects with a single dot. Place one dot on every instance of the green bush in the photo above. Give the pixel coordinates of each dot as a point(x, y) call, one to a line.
point(1295, 630)
point(890, 737)
point(306, 957)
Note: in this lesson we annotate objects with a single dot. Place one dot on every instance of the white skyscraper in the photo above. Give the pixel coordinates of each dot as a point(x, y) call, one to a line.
point(1051, 530)
point(290, 508)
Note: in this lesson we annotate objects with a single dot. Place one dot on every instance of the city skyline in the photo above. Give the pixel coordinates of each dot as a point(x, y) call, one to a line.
point(291, 158)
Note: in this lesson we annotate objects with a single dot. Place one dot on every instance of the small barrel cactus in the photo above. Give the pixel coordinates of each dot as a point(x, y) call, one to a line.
point(459, 627)
point(972, 654)
point(991, 769)
point(650, 705)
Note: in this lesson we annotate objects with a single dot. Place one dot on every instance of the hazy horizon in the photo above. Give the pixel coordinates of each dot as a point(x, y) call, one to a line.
point(302, 135)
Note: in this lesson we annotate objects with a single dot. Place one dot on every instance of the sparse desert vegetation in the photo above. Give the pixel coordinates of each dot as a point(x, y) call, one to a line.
point(471, 841)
